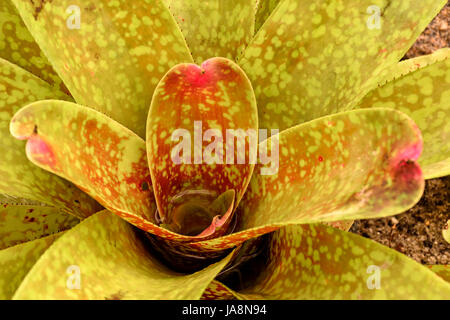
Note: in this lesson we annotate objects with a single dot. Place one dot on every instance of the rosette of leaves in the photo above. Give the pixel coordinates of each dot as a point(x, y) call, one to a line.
point(93, 207)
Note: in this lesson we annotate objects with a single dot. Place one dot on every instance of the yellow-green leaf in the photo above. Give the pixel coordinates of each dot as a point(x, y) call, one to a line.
point(18, 46)
point(189, 103)
point(343, 225)
point(15, 263)
point(105, 258)
point(263, 10)
point(407, 66)
point(18, 176)
point(110, 54)
point(319, 262)
point(353, 165)
point(311, 59)
point(215, 28)
point(99, 155)
point(420, 87)
point(446, 231)
point(442, 271)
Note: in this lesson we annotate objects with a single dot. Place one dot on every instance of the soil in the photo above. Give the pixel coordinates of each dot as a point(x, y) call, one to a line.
point(417, 232)
point(435, 36)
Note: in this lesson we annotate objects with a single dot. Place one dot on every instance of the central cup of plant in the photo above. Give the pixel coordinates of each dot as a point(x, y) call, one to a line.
point(198, 212)
point(202, 131)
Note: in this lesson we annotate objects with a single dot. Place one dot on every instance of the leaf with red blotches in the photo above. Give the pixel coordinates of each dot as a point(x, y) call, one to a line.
point(327, 263)
point(110, 54)
point(16, 262)
point(354, 165)
point(112, 262)
point(218, 291)
point(201, 138)
point(100, 156)
point(420, 87)
point(18, 176)
point(97, 154)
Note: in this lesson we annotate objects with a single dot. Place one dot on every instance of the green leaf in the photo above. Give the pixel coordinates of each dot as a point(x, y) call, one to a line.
point(112, 262)
point(442, 271)
point(190, 102)
point(327, 263)
point(22, 222)
point(420, 87)
point(311, 59)
point(115, 59)
point(358, 164)
point(18, 46)
point(18, 176)
point(215, 28)
point(15, 262)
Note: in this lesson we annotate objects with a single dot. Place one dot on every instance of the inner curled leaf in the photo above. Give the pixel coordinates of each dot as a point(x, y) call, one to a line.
point(199, 212)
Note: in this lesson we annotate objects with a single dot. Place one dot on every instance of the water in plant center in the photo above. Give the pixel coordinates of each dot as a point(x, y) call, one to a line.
point(192, 211)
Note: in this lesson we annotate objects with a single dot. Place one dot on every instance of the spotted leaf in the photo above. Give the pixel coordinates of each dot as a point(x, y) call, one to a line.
point(421, 89)
point(18, 176)
point(97, 154)
point(21, 223)
point(110, 54)
point(16, 262)
point(215, 28)
point(311, 59)
point(442, 271)
point(199, 144)
point(344, 225)
point(218, 291)
point(407, 66)
point(446, 231)
point(112, 262)
point(353, 165)
point(263, 10)
point(18, 46)
point(327, 263)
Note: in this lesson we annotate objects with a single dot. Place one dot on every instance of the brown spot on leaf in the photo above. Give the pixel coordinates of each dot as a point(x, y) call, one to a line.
point(38, 7)
point(90, 8)
point(116, 296)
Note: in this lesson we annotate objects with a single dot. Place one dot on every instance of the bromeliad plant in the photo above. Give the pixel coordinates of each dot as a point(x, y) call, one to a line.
point(96, 208)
